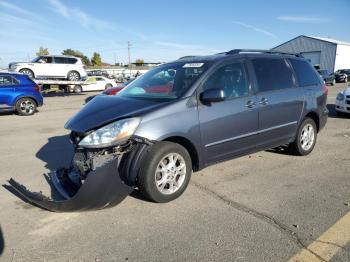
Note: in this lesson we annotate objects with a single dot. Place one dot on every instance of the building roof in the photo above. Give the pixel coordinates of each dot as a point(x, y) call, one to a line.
point(327, 39)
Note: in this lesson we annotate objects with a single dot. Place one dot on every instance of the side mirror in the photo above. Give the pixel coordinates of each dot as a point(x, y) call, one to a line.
point(213, 95)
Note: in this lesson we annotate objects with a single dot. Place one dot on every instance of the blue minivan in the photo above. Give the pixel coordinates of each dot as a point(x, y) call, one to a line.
point(19, 93)
point(181, 117)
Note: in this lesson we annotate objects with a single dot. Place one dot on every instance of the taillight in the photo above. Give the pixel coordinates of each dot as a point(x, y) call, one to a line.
point(37, 88)
point(325, 89)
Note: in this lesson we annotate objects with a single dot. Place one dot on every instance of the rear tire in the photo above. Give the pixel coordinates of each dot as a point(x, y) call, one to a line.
point(165, 172)
point(26, 106)
point(306, 138)
point(27, 72)
point(73, 76)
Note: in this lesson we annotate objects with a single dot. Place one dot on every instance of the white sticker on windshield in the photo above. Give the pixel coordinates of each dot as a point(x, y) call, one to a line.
point(193, 65)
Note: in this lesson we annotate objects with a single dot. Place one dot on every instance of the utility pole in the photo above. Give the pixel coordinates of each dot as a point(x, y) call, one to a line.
point(129, 65)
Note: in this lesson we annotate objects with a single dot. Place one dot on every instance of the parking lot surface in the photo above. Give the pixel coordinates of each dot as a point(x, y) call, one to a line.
point(267, 206)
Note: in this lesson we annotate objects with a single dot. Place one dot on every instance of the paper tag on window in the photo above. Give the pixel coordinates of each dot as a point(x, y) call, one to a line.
point(193, 65)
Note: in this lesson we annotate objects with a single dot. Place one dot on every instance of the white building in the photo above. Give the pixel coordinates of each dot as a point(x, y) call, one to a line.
point(327, 53)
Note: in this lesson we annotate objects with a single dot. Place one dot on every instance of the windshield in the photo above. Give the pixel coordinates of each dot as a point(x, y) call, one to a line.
point(168, 81)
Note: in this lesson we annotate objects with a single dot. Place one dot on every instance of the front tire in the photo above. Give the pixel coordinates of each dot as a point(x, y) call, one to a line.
point(108, 86)
point(165, 172)
point(73, 76)
point(26, 106)
point(306, 138)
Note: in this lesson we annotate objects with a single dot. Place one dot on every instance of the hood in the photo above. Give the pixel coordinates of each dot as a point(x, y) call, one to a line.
point(105, 109)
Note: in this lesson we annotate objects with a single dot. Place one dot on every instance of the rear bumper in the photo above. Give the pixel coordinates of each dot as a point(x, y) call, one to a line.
point(323, 118)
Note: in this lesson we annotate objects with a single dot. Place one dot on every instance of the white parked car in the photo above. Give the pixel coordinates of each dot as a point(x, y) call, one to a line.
point(95, 83)
point(342, 102)
point(52, 67)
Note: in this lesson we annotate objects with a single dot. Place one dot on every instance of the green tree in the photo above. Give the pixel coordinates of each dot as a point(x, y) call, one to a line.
point(77, 53)
point(96, 59)
point(42, 51)
point(139, 61)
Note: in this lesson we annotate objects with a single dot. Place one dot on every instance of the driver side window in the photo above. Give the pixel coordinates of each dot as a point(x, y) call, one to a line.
point(231, 78)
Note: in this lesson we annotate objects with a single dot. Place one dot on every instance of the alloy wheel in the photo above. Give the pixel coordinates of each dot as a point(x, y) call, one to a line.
point(307, 137)
point(170, 173)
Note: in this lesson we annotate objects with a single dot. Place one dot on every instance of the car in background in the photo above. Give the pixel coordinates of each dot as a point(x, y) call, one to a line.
point(342, 75)
point(327, 76)
point(99, 73)
point(94, 83)
point(115, 90)
point(19, 93)
point(342, 102)
point(52, 67)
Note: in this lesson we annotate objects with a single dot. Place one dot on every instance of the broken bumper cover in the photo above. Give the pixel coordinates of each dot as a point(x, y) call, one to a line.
point(102, 188)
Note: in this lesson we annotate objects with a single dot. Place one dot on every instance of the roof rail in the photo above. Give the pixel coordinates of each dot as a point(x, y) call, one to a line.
point(238, 51)
point(187, 56)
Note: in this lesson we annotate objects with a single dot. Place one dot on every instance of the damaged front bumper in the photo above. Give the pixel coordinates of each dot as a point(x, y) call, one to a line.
point(94, 181)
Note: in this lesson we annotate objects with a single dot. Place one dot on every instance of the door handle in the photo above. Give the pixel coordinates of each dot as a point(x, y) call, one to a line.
point(250, 104)
point(264, 101)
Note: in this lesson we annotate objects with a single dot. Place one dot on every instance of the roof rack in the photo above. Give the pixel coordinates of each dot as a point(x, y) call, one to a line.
point(188, 56)
point(238, 51)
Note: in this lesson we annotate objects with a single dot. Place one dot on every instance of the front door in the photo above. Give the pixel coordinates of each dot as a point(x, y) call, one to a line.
point(228, 128)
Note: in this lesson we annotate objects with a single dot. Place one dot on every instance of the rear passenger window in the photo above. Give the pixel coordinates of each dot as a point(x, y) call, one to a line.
point(5, 80)
point(60, 60)
point(272, 74)
point(231, 78)
point(305, 74)
point(71, 60)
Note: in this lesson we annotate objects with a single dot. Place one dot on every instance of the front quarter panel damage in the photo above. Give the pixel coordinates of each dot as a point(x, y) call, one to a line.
point(102, 179)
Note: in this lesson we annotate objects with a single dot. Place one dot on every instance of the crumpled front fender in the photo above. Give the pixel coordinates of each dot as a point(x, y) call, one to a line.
point(102, 188)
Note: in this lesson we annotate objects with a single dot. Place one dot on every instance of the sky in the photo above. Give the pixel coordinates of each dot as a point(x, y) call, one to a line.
point(161, 31)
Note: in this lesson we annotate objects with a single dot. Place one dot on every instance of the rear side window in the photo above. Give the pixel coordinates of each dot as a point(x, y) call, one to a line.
point(71, 60)
point(272, 74)
point(304, 72)
point(60, 60)
point(7, 81)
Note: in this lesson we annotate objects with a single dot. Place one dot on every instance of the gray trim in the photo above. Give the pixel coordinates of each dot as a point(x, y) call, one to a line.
point(250, 134)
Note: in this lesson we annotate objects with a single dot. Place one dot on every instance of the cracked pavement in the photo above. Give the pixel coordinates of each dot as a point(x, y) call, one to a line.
point(262, 207)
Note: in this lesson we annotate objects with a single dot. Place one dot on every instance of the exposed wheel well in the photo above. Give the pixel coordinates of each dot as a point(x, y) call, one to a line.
point(189, 147)
point(314, 116)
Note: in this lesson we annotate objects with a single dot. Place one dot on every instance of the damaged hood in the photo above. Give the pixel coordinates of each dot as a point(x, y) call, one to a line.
point(104, 109)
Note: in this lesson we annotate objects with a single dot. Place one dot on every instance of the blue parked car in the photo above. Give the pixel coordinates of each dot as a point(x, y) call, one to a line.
point(19, 93)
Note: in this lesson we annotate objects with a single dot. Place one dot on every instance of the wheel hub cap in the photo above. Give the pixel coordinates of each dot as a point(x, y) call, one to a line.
point(170, 173)
point(27, 107)
point(307, 137)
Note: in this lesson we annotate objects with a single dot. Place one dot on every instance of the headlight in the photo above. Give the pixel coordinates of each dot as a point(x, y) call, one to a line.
point(111, 134)
point(340, 96)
